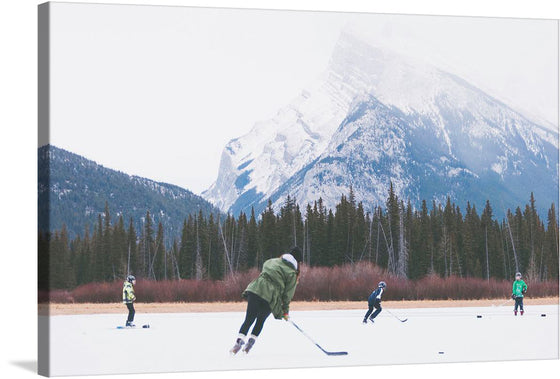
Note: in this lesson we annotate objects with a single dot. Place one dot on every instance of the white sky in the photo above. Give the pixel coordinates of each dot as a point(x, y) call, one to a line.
point(159, 91)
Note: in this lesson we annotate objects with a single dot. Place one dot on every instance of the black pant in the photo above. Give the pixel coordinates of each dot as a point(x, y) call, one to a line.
point(257, 309)
point(375, 304)
point(131, 312)
point(518, 303)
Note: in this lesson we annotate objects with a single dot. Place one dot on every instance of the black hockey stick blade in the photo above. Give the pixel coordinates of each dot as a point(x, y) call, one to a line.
point(401, 320)
point(331, 352)
point(336, 352)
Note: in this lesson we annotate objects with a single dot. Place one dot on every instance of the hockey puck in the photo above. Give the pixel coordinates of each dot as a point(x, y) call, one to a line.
point(146, 326)
point(543, 315)
point(478, 316)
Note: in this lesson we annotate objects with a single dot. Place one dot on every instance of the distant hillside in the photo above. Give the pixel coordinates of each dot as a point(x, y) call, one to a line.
point(77, 188)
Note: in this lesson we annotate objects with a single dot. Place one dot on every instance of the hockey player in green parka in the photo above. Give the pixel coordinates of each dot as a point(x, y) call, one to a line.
point(271, 292)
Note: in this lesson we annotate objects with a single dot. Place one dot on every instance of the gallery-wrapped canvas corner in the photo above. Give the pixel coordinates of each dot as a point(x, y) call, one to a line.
point(226, 189)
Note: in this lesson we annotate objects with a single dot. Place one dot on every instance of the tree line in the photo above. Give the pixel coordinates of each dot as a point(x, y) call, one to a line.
point(409, 243)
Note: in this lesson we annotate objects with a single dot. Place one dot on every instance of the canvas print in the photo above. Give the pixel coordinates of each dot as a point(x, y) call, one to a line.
point(242, 189)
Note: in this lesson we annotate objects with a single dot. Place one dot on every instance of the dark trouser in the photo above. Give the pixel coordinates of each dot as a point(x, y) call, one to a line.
point(518, 303)
point(257, 309)
point(131, 312)
point(375, 304)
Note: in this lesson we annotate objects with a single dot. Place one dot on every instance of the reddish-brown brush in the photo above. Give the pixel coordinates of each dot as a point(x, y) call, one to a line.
point(341, 283)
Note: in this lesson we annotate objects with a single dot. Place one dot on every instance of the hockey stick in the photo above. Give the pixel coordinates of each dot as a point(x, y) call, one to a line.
point(405, 320)
point(316, 344)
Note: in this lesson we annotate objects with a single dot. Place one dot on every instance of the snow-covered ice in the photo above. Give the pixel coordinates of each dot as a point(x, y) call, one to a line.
point(91, 344)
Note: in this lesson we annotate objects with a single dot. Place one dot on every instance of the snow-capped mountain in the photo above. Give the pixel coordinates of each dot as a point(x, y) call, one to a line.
point(376, 117)
point(259, 162)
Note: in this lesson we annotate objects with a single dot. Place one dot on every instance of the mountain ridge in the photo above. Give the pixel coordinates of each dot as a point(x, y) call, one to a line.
point(482, 142)
point(72, 190)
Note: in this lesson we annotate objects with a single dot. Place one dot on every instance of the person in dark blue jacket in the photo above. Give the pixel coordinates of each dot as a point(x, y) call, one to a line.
point(374, 301)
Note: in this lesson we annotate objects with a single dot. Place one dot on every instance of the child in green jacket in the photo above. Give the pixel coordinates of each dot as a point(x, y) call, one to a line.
point(271, 292)
point(518, 290)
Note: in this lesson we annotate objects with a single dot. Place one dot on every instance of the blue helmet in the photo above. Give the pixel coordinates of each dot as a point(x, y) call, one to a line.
point(382, 284)
point(130, 278)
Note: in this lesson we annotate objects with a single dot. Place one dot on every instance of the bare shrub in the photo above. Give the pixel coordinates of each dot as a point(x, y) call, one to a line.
point(347, 282)
point(98, 293)
point(54, 296)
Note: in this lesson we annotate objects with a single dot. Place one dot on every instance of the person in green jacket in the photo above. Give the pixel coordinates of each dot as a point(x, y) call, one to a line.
point(271, 292)
point(128, 298)
point(519, 289)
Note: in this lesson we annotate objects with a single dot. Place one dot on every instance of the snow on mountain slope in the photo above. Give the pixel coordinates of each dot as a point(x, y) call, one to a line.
point(376, 117)
point(275, 149)
point(378, 144)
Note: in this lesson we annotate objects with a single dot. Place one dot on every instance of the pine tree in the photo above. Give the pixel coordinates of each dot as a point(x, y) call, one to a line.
point(393, 230)
point(377, 218)
point(56, 258)
point(186, 249)
point(97, 252)
point(252, 240)
point(61, 272)
point(200, 266)
point(83, 268)
point(521, 234)
point(436, 222)
point(533, 229)
point(409, 243)
point(551, 245)
point(402, 261)
point(106, 266)
point(268, 243)
point(217, 260)
point(331, 255)
point(146, 247)
point(158, 264)
point(119, 250)
point(132, 259)
point(241, 242)
point(43, 257)
point(360, 232)
point(471, 230)
point(309, 231)
point(420, 237)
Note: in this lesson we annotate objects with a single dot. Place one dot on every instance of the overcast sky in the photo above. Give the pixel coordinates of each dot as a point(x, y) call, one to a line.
point(159, 91)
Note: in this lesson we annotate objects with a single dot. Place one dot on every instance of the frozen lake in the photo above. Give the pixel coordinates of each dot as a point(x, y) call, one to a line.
point(91, 344)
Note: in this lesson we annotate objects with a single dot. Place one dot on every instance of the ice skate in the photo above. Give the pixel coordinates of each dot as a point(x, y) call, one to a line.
point(249, 345)
point(238, 345)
